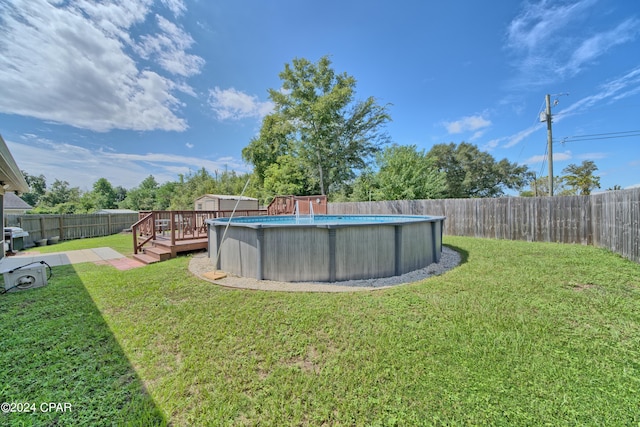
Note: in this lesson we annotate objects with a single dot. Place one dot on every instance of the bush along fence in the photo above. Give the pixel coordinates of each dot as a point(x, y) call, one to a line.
point(609, 220)
point(68, 227)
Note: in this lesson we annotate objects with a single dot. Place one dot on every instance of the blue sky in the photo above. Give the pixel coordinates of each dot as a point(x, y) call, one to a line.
point(129, 88)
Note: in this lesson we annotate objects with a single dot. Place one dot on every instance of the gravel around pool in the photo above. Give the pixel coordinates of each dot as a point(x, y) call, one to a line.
point(200, 264)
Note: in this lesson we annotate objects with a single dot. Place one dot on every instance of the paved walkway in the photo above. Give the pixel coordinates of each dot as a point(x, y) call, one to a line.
point(97, 255)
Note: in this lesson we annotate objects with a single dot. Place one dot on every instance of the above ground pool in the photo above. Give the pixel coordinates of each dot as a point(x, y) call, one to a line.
point(324, 248)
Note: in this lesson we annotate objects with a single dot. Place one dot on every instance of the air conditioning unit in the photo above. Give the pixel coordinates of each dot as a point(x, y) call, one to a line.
point(26, 277)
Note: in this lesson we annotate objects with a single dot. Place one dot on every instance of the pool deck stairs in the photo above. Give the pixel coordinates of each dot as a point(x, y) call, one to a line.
point(161, 249)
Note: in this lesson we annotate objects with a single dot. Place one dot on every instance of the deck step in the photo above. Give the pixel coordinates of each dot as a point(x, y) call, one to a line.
point(160, 253)
point(162, 249)
point(145, 258)
point(181, 245)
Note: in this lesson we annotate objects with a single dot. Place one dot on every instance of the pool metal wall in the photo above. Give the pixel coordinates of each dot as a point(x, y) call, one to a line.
point(325, 253)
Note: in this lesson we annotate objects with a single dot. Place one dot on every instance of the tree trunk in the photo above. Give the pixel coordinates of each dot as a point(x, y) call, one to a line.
point(321, 173)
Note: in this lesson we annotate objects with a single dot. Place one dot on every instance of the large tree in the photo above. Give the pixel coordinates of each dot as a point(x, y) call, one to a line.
point(317, 121)
point(103, 195)
point(60, 192)
point(404, 173)
point(60, 199)
point(143, 197)
point(473, 173)
point(37, 188)
point(581, 178)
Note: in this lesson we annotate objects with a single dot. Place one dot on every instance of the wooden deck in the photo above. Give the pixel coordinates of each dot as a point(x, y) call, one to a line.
point(162, 235)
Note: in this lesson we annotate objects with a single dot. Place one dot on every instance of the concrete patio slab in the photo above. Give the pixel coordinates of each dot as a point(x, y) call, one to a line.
point(107, 253)
point(95, 255)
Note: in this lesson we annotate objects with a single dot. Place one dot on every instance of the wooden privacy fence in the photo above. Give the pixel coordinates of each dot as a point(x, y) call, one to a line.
point(609, 220)
point(69, 227)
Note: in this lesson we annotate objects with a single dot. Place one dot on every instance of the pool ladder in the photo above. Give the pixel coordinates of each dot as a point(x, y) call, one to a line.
point(304, 219)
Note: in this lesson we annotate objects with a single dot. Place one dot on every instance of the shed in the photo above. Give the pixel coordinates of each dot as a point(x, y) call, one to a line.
point(11, 180)
point(222, 202)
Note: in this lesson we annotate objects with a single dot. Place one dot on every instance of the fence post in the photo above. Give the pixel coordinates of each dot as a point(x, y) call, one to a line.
point(61, 227)
point(42, 236)
point(173, 227)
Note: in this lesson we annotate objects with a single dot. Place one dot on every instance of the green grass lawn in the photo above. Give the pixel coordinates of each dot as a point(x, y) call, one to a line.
point(519, 334)
point(122, 243)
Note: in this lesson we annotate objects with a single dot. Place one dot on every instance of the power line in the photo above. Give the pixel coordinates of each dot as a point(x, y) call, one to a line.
point(544, 160)
point(535, 121)
point(607, 133)
point(599, 136)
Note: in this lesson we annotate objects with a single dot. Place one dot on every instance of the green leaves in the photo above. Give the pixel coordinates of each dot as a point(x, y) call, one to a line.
point(446, 171)
point(286, 177)
point(404, 174)
point(316, 124)
point(474, 173)
point(581, 178)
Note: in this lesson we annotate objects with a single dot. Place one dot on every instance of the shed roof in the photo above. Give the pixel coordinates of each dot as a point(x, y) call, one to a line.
point(116, 211)
point(226, 197)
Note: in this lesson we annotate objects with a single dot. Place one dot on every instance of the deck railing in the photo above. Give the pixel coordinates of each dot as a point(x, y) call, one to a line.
point(143, 228)
point(177, 225)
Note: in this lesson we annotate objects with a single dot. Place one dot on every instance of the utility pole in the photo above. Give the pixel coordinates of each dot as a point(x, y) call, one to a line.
point(549, 143)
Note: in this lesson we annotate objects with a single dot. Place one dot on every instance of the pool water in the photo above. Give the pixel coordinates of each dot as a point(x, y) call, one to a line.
point(325, 219)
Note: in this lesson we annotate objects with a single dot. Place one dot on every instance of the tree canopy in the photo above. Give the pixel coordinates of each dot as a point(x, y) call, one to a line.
point(103, 195)
point(61, 198)
point(404, 173)
point(470, 172)
point(539, 187)
point(581, 178)
point(319, 126)
point(37, 188)
point(578, 180)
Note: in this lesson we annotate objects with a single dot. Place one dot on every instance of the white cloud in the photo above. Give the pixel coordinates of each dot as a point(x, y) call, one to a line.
point(81, 167)
point(112, 17)
point(231, 104)
point(538, 23)
point(69, 62)
point(592, 156)
point(557, 157)
point(189, 145)
point(614, 90)
point(492, 144)
point(175, 6)
point(469, 123)
point(599, 44)
point(518, 137)
point(477, 135)
point(168, 47)
point(548, 40)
